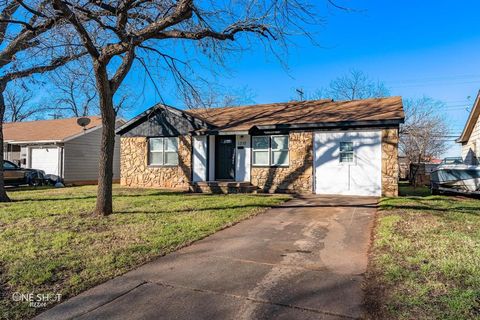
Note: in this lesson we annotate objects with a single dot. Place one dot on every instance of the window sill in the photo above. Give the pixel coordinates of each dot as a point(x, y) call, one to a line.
point(162, 165)
point(269, 166)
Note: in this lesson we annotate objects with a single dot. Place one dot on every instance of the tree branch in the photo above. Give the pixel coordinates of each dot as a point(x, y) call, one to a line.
point(70, 15)
point(6, 14)
point(58, 62)
point(123, 70)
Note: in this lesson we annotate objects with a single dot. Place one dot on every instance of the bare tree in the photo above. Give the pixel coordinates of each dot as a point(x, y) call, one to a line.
point(218, 96)
point(121, 31)
point(74, 92)
point(353, 85)
point(27, 48)
point(423, 135)
point(18, 104)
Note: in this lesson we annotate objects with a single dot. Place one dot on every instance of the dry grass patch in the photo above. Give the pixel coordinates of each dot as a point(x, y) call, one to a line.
point(425, 259)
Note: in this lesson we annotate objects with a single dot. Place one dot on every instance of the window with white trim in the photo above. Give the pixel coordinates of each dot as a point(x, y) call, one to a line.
point(270, 150)
point(163, 151)
point(347, 154)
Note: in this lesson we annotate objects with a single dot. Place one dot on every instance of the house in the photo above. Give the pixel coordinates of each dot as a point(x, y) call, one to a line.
point(470, 137)
point(321, 146)
point(60, 147)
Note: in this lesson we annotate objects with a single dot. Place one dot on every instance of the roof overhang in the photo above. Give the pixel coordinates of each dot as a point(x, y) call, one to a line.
point(220, 133)
point(34, 142)
point(472, 120)
point(328, 125)
point(305, 126)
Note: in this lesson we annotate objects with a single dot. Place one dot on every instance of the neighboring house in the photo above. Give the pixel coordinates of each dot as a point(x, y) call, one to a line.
point(322, 146)
point(470, 138)
point(59, 147)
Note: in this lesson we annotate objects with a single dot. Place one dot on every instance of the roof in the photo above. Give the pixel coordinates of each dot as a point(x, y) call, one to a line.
point(302, 112)
point(472, 120)
point(56, 130)
point(294, 114)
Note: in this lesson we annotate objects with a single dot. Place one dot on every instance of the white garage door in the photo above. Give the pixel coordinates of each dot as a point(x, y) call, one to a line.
point(46, 159)
point(348, 163)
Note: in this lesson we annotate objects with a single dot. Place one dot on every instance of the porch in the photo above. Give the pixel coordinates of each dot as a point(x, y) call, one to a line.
point(222, 187)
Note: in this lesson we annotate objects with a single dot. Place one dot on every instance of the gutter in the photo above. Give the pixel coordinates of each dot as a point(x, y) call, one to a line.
point(34, 142)
point(341, 124)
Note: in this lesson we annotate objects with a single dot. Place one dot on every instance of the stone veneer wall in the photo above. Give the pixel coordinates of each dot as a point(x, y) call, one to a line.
point(298, 176)
point(135, 171)
point(390, 169)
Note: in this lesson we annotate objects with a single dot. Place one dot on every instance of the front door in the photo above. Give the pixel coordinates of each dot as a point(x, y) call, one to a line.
point(225, 158)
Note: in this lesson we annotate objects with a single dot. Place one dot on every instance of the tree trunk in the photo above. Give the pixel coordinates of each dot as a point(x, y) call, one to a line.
point(3, 194)
point(104, 191)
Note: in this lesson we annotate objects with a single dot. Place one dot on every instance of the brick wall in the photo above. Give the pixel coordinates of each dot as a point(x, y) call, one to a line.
point(298, 176)
point(390, 169)
point(135, 171)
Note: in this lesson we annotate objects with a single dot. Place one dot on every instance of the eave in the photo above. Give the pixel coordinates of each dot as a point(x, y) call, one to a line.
point(472, 120)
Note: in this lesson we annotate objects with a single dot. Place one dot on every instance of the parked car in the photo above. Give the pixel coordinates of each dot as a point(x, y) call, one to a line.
point(14, 175)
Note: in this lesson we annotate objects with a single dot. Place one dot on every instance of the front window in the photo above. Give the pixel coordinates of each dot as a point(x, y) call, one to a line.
point(163, 151)
point(346, 152)
point(270, 150)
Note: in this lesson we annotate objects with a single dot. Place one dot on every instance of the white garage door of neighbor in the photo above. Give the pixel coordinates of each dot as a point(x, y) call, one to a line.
point(348, 163)
point(45, 159)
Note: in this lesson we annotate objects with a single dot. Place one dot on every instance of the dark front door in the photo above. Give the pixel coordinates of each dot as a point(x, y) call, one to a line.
point(225, 158)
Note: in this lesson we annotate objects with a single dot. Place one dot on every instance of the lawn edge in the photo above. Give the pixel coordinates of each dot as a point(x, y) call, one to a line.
point(371, 304)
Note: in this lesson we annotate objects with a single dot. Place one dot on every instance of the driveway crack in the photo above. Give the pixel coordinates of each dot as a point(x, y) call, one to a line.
point(111, 300)
point(255, 300)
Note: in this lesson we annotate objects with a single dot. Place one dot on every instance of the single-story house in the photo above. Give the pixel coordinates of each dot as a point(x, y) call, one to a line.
point(60, 147)
point(470, 137)
point(320, 146)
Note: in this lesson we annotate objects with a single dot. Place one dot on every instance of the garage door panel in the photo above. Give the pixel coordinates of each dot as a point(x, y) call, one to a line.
point(46, 159)
point(362, 176)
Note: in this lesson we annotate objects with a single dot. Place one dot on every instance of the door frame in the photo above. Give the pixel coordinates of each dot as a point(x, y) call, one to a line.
point(207, 158)
point(234, 147)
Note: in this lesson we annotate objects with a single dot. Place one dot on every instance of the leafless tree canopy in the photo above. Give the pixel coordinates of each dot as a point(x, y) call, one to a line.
point(28, 46)
point(171, 40)
point(19, 106)
point(180, 34)
point(422, 136)
point(353, 85)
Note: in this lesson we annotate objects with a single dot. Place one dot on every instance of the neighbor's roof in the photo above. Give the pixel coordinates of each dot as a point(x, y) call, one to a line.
point(472, 120)
point(45, 130)
point(302, 113)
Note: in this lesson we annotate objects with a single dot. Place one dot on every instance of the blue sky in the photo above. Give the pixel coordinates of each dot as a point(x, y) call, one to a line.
point(416, 47)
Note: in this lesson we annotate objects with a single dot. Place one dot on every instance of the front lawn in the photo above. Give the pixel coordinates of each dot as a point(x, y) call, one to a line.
point(425, 258)
point(51, 243)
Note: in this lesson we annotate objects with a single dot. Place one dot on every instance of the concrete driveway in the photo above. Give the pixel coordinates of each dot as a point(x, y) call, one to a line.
point(304, 260)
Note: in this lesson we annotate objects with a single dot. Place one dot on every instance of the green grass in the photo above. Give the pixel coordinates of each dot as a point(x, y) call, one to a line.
point(425, 258)
point(51, 242)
